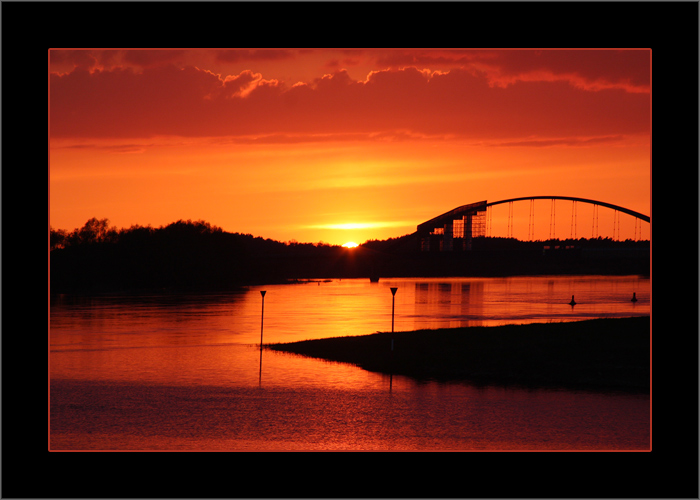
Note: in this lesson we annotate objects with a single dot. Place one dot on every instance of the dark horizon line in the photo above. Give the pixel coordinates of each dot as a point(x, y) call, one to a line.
point(214, 228)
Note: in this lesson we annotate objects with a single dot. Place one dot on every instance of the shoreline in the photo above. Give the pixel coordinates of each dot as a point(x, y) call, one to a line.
point(608, 354)
point(242, 287)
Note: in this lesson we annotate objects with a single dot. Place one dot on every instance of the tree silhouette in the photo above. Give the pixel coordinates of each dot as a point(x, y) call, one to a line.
point(57, 238)
point(195, 254)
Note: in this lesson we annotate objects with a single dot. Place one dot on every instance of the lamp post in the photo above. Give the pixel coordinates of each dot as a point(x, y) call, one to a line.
point(391, 371)
point(393, 296)
point(262, 316)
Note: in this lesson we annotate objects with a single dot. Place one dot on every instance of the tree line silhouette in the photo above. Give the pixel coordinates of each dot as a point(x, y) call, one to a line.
point(197, 255)
point(183, 254)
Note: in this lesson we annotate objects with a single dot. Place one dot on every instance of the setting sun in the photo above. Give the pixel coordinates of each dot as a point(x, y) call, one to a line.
point(350, 244)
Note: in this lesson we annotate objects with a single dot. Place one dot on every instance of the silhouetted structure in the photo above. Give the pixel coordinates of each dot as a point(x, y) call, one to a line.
point(196, 255)
point(453, 230)
point(456, 229)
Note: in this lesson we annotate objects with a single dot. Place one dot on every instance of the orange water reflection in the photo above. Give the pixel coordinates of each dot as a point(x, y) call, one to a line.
point(430, 417)
point(183, 372)
point(214, 338)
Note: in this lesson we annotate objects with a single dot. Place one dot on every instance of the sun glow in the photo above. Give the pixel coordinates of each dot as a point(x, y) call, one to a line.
point(350, 244)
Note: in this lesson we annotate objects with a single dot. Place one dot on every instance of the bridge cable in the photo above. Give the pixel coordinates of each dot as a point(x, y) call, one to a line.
point(488, 220)
point(552, 229)
point(594, 230)
point(617, 216)
point(510, 219)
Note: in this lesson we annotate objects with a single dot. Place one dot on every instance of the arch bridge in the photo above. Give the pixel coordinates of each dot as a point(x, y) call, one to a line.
point(455, 229)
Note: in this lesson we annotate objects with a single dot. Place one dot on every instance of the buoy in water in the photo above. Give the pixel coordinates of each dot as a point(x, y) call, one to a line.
point(573, 302)
point(634, 297)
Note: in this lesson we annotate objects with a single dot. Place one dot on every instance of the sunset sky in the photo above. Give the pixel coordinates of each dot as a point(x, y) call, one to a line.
point(346, 145)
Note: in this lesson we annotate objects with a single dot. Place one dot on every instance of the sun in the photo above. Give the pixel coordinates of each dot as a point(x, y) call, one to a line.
point(350, 244)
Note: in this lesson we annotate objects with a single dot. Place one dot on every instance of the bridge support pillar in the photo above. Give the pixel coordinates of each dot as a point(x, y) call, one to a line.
point(447, 239)
point(467, 232)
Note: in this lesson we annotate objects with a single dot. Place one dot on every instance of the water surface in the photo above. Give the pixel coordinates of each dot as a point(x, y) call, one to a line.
point(172, 371)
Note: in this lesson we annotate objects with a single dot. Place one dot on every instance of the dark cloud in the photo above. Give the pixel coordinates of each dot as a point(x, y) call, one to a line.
point(591, 68)
point(239, 55)
point(168, 100)
point(576, 141)
point(152, 58)
point(433, 59)
point(67, 60)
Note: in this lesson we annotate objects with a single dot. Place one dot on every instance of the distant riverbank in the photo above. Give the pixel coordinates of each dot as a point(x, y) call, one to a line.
point(600, 354)
point(196, 256)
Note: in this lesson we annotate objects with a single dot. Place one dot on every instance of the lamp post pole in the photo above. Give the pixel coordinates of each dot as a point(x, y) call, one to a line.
point(393, 297)
point(391, 370)
point(262, 317)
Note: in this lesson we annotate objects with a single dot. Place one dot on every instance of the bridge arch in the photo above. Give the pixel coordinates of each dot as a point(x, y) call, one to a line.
point(456, 228)
point(638, 215)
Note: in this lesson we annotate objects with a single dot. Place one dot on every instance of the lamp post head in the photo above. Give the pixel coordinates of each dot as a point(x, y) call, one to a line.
point(393, 290)
point(263, 292)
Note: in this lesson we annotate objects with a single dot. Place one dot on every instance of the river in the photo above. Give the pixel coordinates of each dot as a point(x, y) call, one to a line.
point(184, 371)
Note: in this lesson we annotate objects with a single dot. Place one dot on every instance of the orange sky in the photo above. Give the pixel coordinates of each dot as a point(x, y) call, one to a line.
point(347, 145)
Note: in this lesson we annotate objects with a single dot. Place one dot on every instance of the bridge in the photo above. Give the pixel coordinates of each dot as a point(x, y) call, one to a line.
point(454, 230)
